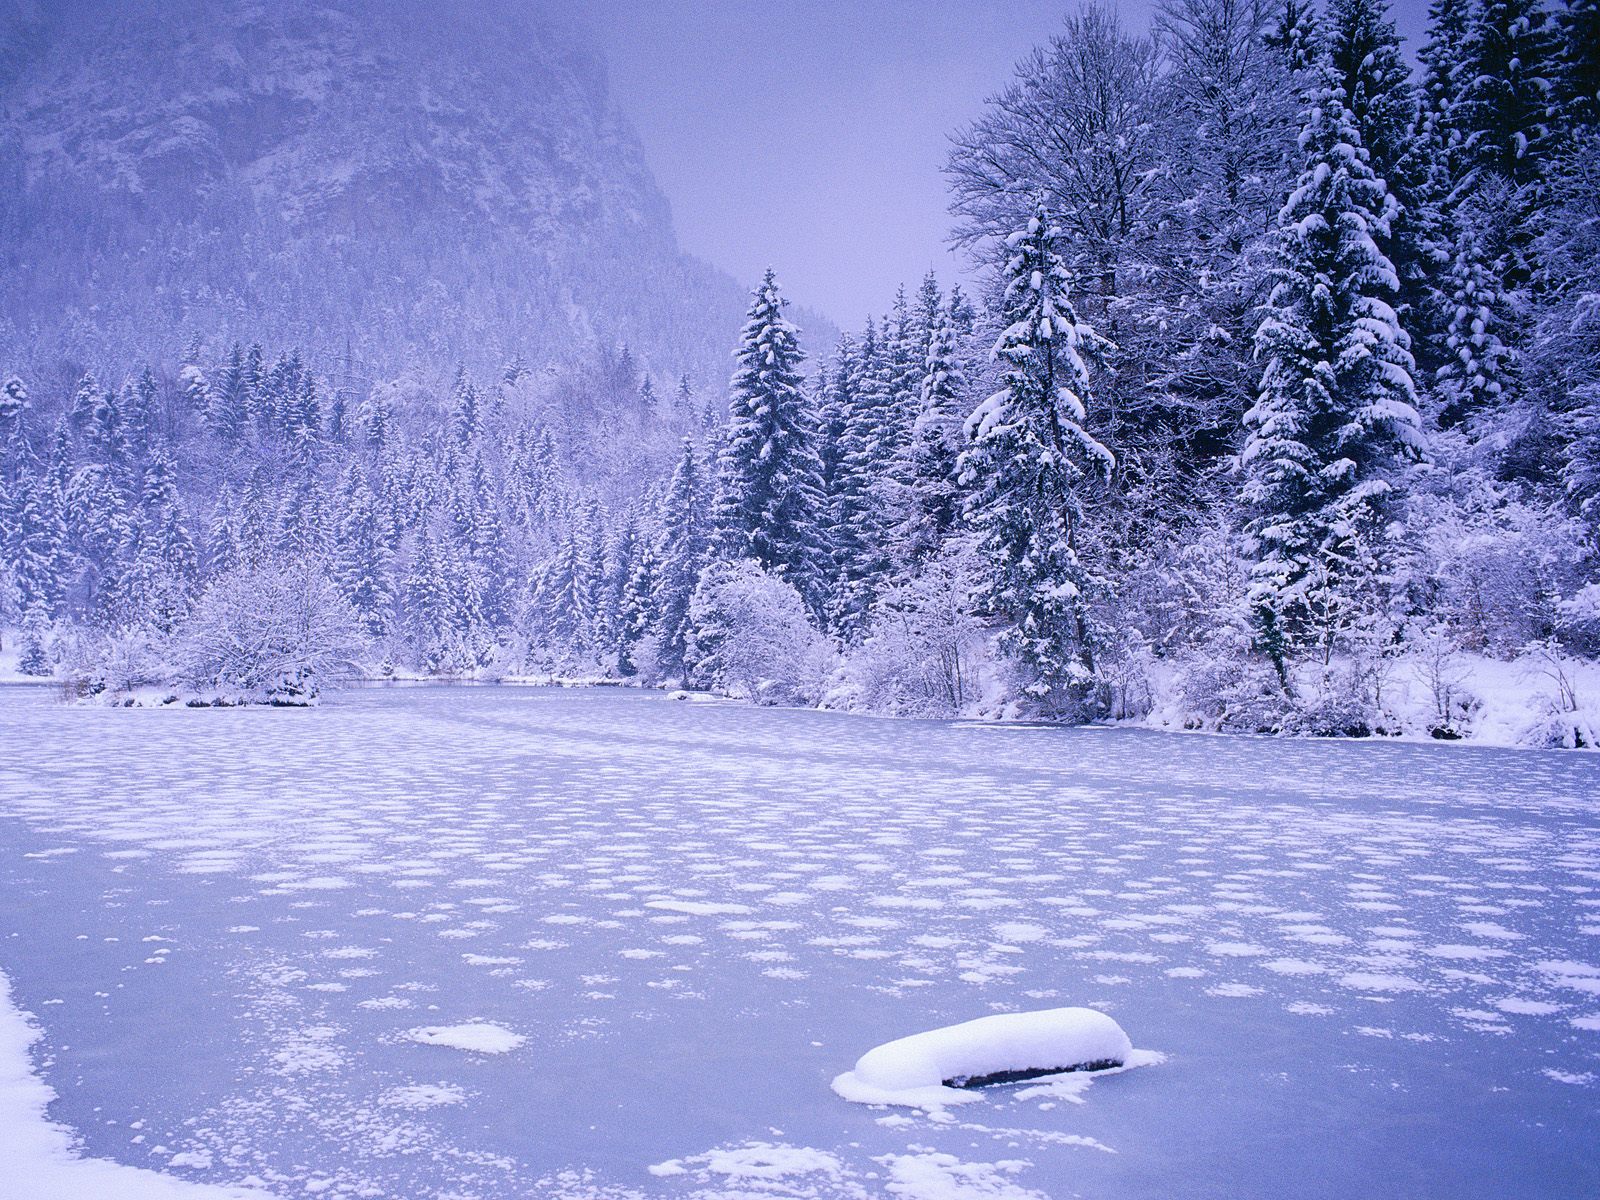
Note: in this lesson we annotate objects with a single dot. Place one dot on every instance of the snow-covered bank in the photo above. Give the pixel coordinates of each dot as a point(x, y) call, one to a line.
point(39, 1159)
point(1542, 700)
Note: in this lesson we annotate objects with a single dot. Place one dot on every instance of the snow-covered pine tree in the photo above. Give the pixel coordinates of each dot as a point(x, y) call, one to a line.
point(682, 552)
point(225, 405)
point(769, 493)
point(486, 539)
point(1364, 50)
point(98, 525)
point(1507, 100)
point(1579, 80)
point(937, 439)
point(254, 517)
point(1032, 456)
point(649, 401)
point(685, 407)
point(35, 548)
point(1564, 352)
point(162, 518)
point(566, 601)
point(222, 543)
point(859, 505)
point(80, 411)
point(1509, 124)
point(905, 353)
point(33, 655)
point(1336, 410)
point(1297, 37)
point(138, 406)
point(1480, 372)
point(464, 415)
point(360, 564)
point(638, 607)
point(196, 392)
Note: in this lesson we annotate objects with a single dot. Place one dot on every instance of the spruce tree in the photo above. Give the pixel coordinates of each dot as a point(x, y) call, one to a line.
point(638, 607)
point(1506, 104)
point(464, 417)
point(937, 440)
point(1480, 372)
point(1579, 78)
point(360, 561)
point(1364, 52)
point(769, 493)
point(1031, 457)
point(683, 551)
point(1336, 407)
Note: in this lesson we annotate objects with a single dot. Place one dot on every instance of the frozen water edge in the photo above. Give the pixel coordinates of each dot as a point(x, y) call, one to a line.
point(41, 1159)
point(698, 915)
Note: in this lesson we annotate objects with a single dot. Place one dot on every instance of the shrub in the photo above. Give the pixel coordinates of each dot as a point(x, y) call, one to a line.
point(275, 633)
point(751, 636)
point(924, 647)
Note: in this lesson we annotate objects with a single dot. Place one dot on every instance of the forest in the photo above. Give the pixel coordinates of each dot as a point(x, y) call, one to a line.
point(1277, 409)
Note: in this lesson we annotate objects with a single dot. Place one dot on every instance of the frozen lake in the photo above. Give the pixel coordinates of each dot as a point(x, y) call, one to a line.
point(1374, 968)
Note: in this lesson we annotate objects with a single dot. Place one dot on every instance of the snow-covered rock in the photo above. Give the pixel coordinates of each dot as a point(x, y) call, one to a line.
point(929, 1069)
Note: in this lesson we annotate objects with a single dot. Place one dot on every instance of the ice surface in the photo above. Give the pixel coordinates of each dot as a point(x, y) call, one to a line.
point(38, 1159)
point(698, 914)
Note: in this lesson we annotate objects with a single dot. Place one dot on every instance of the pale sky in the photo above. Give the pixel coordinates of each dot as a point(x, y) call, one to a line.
point(810, 134)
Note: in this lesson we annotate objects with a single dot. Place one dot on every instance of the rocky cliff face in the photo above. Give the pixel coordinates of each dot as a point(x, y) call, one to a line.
point(406, 181)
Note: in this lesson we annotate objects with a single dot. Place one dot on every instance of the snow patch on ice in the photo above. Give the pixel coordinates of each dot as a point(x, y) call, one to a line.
point(480, 1037)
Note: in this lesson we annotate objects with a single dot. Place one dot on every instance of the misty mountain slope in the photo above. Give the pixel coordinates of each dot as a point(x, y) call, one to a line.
point(431, 183)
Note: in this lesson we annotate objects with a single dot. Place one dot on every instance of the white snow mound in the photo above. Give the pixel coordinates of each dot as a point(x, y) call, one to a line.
point(478, 1036)
point(928, 1069)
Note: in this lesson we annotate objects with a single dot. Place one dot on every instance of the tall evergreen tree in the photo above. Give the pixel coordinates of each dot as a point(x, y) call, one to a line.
point(361, 560)
point(1506, 104)
point(769, 485)
point(683, 549)
point(1336, 406)
point(1579, 80)
point(936, 445)
point(1031, 457)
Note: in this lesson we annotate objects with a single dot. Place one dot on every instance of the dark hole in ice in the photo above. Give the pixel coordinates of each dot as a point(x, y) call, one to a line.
point(1018, 1076)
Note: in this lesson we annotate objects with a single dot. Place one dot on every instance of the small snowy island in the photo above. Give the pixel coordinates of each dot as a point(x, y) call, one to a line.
point(941, 1066)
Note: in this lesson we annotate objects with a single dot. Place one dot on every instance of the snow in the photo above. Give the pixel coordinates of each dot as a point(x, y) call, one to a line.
point(927, 1068)
point(41, 1160)
point(480, 1037)
point(509, 851)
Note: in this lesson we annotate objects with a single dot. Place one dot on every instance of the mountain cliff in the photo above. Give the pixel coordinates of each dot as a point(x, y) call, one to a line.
point(397, 182)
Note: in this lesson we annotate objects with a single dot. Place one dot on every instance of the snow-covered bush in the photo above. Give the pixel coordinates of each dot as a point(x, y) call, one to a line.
point(1566, 718)
point(275, 634)
point(752, 637)
point(1492, 567)
point(924, 647)
point(1338, 701)
point(1578, 619)
point(116, 663)
point(1452, 705)
point(1226, 688)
